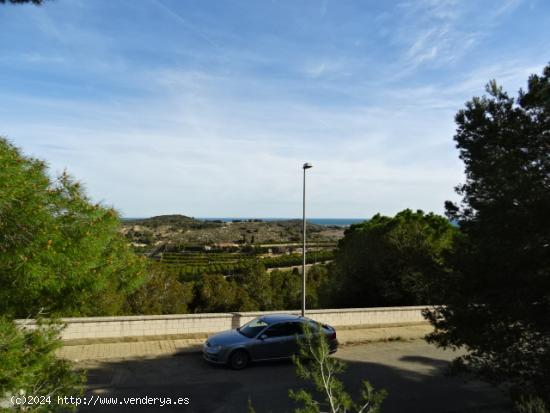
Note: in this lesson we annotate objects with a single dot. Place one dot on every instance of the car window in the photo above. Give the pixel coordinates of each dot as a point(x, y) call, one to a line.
point(252, 328)
point(313, 326)
point(295, 328)
point(281, 330)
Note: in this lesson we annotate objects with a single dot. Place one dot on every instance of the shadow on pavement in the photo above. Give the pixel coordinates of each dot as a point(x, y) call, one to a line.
point(419, 385)
point(441, 365)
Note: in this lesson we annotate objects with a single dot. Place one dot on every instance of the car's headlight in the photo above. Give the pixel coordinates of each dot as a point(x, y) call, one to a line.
point(215, 349)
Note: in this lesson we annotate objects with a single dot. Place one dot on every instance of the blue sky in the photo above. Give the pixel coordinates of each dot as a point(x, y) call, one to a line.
point(210, 108)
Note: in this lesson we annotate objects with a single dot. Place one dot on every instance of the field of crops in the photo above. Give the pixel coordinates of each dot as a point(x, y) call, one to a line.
point(296, 259)
point(189, 266)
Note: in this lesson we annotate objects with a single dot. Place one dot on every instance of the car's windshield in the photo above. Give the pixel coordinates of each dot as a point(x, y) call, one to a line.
point(252, 328)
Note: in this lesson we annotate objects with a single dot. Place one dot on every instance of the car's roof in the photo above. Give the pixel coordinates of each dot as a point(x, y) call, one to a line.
point(277, 318)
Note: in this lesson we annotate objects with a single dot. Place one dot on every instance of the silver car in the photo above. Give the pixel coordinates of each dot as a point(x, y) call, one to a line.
point(267, 337)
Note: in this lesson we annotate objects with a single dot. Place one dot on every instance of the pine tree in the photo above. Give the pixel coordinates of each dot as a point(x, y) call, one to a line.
point(59, 252)
point(498, 300)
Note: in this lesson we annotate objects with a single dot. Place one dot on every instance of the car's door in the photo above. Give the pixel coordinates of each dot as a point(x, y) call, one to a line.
point(273, 342)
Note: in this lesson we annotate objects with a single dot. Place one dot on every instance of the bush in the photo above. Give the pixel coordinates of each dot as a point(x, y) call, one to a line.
point(315, 364)
point(531, 404)
point(28, 366)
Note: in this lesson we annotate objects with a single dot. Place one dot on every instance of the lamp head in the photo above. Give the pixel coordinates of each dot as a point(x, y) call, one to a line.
point(307, 165)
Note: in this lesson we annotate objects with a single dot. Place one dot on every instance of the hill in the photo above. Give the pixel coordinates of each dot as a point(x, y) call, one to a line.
point(176, 231)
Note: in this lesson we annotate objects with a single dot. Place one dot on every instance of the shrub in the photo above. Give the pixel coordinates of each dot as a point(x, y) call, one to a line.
point(315, 364)
point(28, 366)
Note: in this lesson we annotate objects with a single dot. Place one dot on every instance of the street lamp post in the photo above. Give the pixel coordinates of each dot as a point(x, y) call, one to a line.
point(306, 166)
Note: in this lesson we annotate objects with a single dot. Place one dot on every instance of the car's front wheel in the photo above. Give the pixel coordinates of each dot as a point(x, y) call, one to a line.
point(238, 360)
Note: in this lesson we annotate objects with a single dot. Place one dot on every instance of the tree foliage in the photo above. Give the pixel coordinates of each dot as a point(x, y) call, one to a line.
point(319, 291)
point(315, 364)
point(58, 250)
point(498, 300)
point(393, 260)
point(287, 289)
point(256, 282)
point(28, 367)
point(161, 293)
point(215, 293)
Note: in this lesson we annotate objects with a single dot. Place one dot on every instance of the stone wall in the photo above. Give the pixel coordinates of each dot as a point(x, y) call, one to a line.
point(152, 327)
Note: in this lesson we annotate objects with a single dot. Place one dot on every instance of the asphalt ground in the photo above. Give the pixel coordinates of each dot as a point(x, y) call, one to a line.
point(413, 372)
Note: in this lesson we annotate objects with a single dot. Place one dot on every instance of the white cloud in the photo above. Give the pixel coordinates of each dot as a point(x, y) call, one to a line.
point(224, 132)
point(507, 6)
point(204, 152)
point(434, 32)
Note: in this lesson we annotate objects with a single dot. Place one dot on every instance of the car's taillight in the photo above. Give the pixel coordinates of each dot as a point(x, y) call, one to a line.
point(333, 335)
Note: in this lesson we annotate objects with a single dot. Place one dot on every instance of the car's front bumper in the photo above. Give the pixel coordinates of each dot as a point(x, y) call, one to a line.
point(216, 357)
point(212, 358)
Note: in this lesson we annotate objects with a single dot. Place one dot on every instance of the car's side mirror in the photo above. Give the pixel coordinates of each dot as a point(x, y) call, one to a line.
point(263, 336)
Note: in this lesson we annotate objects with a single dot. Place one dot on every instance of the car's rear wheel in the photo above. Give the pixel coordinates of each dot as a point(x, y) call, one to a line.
point(238, 360)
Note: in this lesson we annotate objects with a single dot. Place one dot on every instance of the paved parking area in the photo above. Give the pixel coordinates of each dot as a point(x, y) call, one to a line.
point(413, 372)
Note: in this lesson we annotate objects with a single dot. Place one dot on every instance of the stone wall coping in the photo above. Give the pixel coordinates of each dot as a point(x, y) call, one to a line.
point(117, 319)
point(337, 310)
